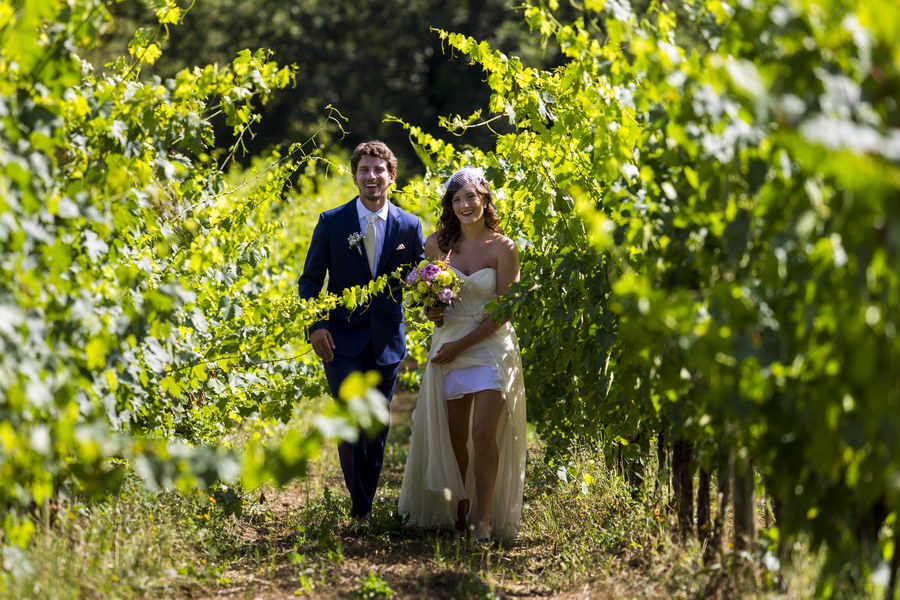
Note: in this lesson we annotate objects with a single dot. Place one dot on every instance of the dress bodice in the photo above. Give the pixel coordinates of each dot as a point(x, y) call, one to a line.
point(475, 291)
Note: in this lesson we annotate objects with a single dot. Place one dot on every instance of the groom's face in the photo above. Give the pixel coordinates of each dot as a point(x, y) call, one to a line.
point(373, 178)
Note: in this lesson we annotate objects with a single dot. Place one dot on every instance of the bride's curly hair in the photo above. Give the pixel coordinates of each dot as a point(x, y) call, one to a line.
point(448, 228)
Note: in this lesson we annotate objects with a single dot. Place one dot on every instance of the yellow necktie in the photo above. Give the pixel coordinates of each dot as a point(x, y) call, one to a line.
point(369, 241)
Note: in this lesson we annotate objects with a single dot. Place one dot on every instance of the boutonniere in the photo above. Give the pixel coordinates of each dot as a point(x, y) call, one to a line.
point(355, 240)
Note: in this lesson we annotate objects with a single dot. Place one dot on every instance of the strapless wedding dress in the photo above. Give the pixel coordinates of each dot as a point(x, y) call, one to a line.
point(432, 486)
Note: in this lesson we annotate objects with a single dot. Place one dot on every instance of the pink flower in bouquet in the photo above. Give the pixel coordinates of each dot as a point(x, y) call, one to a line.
point(446, 295)
point(429, 272)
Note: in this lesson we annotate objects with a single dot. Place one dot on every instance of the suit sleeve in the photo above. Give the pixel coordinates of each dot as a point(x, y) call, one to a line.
point(316, 266)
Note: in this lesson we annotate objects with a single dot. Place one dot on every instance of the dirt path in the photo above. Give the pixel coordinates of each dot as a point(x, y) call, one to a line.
point(296, 544)
point(574, 543)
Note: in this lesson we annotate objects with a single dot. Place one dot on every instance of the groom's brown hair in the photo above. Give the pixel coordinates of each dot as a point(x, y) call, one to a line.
point(378, 150)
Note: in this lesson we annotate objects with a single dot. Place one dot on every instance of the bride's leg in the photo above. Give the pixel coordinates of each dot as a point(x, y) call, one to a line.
point(458, 412)
point(488, 410)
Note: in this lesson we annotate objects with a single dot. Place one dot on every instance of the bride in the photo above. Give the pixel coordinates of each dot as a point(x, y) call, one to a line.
point(466, 463)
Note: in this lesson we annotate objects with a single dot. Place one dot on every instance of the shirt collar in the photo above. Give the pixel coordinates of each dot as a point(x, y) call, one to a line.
point(362, 212)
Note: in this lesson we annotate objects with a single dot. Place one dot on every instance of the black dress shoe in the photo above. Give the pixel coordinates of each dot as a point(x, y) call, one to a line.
point(359, 525)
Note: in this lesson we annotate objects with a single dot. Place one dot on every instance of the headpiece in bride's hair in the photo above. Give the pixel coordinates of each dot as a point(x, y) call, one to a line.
point(463, 177)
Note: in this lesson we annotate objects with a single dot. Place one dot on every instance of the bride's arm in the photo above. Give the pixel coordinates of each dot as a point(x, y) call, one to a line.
point(507, 265)
point(432, 249)
point(507, 274)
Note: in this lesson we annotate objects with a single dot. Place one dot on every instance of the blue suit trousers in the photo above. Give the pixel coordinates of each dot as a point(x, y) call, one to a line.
point(361, 461)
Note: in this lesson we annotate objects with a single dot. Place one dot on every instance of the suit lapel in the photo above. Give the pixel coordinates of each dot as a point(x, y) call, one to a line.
point(391, 233)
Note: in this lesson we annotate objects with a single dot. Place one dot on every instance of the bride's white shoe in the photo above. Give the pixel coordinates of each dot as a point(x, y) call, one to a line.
point(484, 538)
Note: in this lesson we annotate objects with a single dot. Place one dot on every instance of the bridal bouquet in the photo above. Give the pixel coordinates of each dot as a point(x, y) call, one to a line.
point(432, 283)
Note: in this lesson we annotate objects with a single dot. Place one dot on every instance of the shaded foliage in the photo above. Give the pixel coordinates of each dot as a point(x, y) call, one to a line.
point(147, 306)
point(366, 59)
point(709, 239)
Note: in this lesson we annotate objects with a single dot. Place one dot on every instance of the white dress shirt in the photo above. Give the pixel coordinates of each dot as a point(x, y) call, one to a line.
point(380, 225)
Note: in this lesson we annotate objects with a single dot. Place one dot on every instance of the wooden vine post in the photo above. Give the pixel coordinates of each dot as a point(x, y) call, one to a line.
point(683, 479)
point(744, 504)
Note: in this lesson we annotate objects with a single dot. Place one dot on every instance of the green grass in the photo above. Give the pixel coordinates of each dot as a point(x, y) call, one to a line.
point(140, 543)
point(582, 535)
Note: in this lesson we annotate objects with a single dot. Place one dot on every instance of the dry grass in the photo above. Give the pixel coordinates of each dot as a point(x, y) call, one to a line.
point(582, 536)
point(577, 541)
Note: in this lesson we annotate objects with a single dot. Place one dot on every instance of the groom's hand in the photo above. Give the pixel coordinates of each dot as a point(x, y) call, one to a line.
point(323, 344)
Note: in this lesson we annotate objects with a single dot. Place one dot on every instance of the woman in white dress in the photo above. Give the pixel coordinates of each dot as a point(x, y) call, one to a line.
point(466, 463)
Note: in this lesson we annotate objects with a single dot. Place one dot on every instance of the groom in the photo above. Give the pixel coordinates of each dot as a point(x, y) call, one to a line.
point(355, 243)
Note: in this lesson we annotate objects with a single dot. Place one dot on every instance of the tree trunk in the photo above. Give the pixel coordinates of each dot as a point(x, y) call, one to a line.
point(674, 481)
point(684, 486)
point(703, 525)
point(723, 498)
point(744, 505)
point(662, 470)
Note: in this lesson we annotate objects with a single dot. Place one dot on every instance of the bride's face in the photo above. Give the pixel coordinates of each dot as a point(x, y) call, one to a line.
point(468, 205)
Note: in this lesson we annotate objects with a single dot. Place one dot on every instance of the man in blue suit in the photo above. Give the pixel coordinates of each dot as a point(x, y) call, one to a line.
point(355, 243)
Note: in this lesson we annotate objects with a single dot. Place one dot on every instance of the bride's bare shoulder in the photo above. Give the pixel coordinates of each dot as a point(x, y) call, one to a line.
point(503, 245)
point(433, 248)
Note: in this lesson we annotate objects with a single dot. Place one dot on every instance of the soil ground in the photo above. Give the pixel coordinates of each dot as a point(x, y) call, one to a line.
point(275, 561)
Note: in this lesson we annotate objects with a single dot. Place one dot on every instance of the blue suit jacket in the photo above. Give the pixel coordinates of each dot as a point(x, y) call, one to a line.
point(330, 252)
